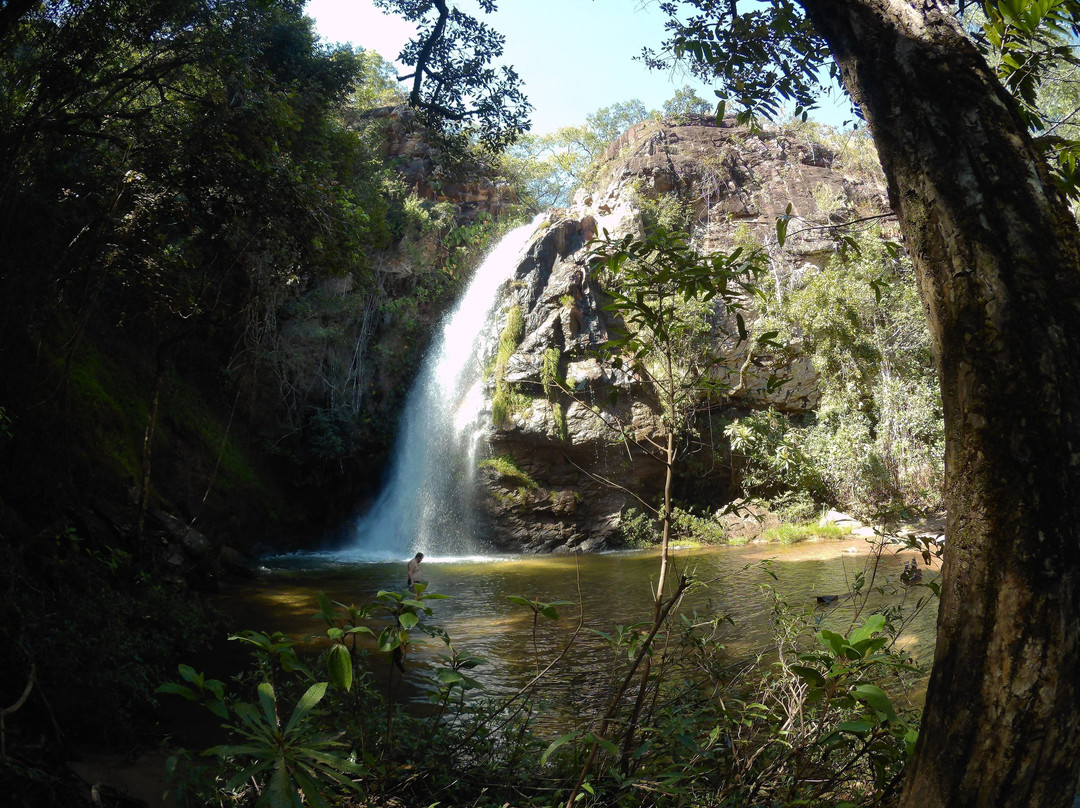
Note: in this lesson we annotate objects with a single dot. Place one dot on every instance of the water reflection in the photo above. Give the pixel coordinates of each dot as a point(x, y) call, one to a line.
point(614, 588)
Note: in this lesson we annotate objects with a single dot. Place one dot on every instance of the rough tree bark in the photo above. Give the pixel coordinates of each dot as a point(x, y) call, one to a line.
point(997, 257)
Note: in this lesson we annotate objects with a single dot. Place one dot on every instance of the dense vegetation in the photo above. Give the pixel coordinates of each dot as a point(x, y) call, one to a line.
point(204, 314)
point(806, 724)
point(214, 286)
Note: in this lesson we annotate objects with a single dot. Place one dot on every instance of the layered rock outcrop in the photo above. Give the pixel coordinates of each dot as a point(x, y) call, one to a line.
point(579, 447)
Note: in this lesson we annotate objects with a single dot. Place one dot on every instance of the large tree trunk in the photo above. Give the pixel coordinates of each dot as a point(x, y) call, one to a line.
point(997, 257)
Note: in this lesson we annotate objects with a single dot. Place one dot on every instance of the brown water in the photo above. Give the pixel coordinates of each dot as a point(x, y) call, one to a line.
point(604, 589)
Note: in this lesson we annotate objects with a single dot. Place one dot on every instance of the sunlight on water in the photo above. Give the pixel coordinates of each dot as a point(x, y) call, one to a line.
point(426, 502)
point(604, 589)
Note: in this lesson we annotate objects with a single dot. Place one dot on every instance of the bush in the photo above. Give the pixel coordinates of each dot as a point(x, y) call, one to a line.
point(771, 456)
point(816, 723)
point(687, 526)
point(876, 442)
point(637, 530)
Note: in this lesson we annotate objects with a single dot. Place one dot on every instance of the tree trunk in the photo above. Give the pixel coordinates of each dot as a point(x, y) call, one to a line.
point(996, 253)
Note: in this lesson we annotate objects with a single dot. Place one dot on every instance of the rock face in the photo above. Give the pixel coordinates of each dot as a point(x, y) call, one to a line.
point(419, 162)
point(566, 444)
point(579, 450)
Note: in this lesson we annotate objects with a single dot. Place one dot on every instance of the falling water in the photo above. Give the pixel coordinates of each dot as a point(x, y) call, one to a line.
point(426, 502)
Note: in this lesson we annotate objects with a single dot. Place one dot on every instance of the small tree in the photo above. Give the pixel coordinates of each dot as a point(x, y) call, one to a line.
point(672, 302)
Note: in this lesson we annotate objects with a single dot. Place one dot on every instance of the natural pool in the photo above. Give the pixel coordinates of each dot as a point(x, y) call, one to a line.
point(604, 590)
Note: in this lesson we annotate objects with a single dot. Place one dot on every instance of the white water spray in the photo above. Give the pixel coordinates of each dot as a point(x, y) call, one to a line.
point(426, 502)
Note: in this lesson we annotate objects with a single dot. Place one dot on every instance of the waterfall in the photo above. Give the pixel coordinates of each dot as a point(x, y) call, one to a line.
point(425, 504)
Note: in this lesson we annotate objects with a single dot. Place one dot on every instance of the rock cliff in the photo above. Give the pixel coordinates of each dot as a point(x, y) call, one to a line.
point(571, 445)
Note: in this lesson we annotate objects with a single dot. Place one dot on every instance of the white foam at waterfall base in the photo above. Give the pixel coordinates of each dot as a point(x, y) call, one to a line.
point(426, 502)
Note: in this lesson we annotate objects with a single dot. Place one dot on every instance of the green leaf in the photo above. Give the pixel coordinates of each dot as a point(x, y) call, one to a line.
point(389, 639)
point(833, 641)
point(768, 338)
point(874, 624)
point(307, 702)
point(408, 620)
point(811, 676)
point(605, 744)
point(448, 676)
point(178, 690)
point(339, 666)
point(325, 608)
point(217, 708)
point(269, 703)
point(856, 727)
point(562, 739)
point(188, 674)
point(310, 787)
point(910, 737)
point(877, 699)
point(280, 791)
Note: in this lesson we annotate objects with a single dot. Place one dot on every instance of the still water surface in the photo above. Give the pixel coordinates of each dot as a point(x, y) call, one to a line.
point(611, 588)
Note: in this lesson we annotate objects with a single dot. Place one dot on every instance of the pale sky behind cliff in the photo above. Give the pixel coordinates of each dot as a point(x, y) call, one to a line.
point(575, 56)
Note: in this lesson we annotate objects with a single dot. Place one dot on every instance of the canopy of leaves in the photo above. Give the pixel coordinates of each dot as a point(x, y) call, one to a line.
point(198, 140)
point(454, 81)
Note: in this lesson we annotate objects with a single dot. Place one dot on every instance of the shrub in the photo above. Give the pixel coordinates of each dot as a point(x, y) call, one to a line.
point(687, 526)
point(771, 454)
point(637, 530)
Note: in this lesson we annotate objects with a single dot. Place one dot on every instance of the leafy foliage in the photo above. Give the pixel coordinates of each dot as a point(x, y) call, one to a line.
point(767, 57)
point(453, 81)
point(818, 722)
point(760, 59)
point(637, 530)
point(686, 105)
point(875, 442)
point(879, 437)
point(772, 458)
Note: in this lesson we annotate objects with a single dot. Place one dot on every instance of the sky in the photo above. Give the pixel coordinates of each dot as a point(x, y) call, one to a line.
point(575, 56)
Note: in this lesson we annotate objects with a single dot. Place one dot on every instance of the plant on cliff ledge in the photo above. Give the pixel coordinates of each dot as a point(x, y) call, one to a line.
point(504, 399)
point(505, 466)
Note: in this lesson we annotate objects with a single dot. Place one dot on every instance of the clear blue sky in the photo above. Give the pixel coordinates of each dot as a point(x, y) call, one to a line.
point(575, 56)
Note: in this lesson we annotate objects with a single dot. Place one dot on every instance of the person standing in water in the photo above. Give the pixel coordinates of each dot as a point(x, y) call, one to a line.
point(414, 569)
